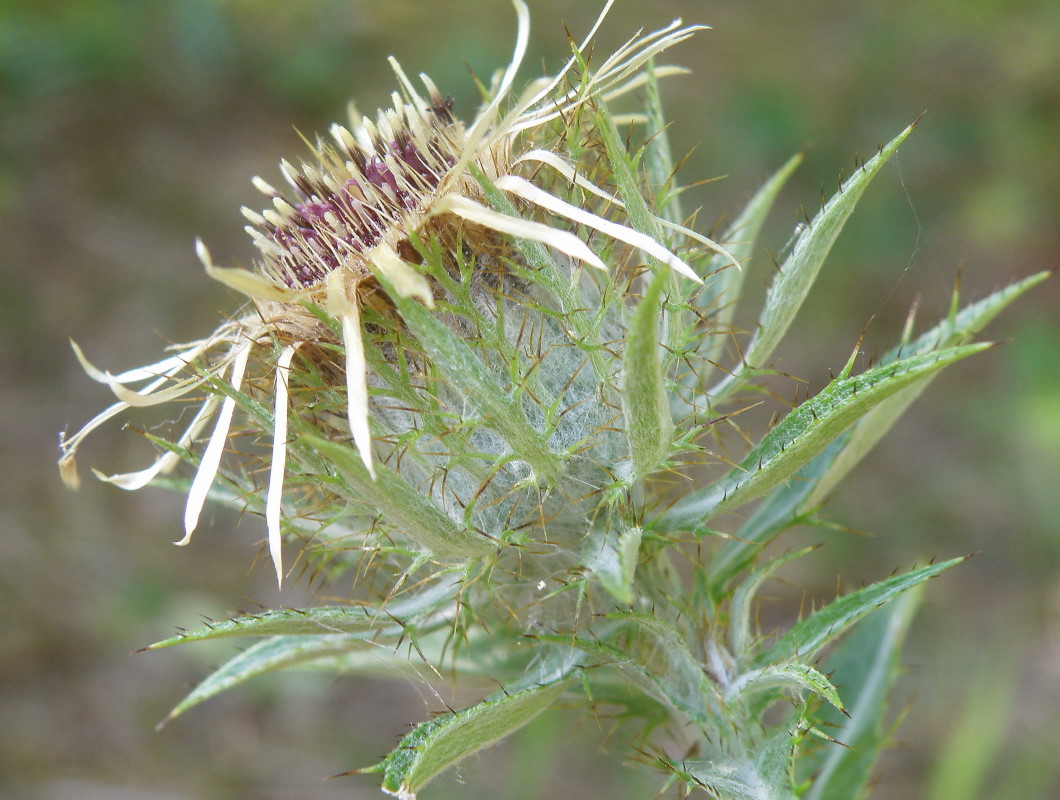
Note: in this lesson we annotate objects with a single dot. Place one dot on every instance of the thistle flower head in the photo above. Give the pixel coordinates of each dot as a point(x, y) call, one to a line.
point(350, 221)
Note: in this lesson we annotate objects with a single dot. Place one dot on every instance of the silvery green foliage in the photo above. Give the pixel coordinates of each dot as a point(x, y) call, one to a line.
point(535, 430)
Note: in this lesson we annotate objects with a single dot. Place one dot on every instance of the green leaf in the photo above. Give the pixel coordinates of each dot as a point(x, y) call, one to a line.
point(614, 562)
point(799, 271)
point(288, 621)
point(951, 332)
point(405, 508)
point(724, 282)
point(804, 433)
point(439, 743)
point(784, 676)
point(274, 653)
point(383, 620)
point(865, 665)
point(658, 157)
point(623, 172)
point(465, 371)
point(645, 403)
point(789, 504)
point(806, 637)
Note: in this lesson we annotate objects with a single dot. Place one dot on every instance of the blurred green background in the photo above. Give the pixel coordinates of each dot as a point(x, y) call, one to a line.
point(128, 127)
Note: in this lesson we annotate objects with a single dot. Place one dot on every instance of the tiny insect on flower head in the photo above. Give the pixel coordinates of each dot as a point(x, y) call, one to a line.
point(344, 225)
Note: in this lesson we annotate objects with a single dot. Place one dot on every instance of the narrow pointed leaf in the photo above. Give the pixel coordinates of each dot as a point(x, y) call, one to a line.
point(723, 286)
point(624, 176)
point(799, 270)
point(784, 676)
point(865, 665)
point(804, 433)
point(808, 636)
point(274, 653)
point(789, 504)
point(645, 404)
point(387, 618)
point(948, 333)
point(438, 744)
point(658, 157)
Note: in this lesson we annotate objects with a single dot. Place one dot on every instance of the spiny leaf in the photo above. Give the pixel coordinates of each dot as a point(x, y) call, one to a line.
point(786, 505)
point(806, 637)
point(804, 433)
point(658, 158)
point(386, 619)
point(796, 676)
point(799, 270)
point(274, 653)
point(865, 665)
point(439, 743)
point(625, 177)
point(722, 288)
point(326, 619)
point(950, 332)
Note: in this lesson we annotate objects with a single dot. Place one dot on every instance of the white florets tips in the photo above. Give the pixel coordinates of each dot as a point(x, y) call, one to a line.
point(264, 187)
point(344, 138)
point(203, 253)
point(253, 217)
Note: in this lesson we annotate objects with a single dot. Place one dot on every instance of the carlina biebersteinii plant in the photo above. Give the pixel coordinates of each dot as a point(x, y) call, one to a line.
point(478, 382)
